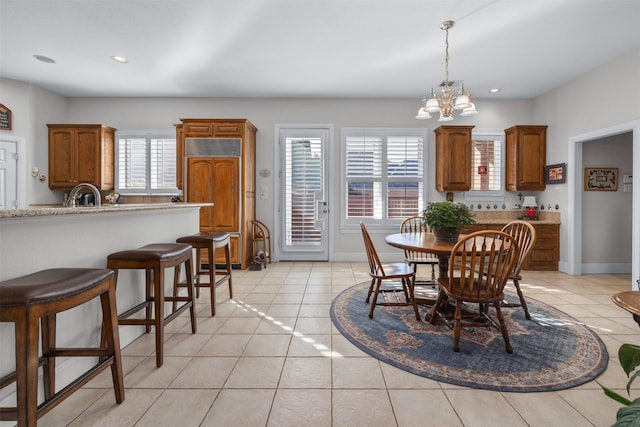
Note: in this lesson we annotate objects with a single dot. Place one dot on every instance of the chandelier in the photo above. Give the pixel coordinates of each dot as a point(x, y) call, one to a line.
point(445, 102)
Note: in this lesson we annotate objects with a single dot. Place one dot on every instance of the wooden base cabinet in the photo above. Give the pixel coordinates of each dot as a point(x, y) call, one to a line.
point(222, 177)
point(544, 256)
point(81, 154)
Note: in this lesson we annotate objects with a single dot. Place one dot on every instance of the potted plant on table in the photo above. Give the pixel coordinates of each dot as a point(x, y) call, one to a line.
point(446, 219)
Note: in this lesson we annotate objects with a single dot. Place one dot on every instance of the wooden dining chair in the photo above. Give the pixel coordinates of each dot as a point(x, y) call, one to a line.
point(414, 224)
point(525, 235)
point(479, 267)
point(385, 277)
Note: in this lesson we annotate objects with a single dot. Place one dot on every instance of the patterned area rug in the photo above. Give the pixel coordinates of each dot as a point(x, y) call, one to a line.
point(552, 351)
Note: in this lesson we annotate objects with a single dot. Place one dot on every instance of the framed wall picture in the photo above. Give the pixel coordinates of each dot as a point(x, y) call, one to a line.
point(555, 174)
point(600, 179)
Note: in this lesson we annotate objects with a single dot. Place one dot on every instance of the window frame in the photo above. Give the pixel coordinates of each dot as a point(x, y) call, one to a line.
point(148, 135)
point(383, 224)
point(489, 195)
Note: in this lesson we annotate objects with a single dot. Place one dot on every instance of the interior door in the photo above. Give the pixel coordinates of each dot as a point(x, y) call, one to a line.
point(8, 175)
point(304, 209)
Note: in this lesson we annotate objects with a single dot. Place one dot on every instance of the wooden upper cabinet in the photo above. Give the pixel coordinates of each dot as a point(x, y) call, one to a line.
point(198, 129)
point(205, 128)
point(453, 158)
point(526, 155)
point(81, 154)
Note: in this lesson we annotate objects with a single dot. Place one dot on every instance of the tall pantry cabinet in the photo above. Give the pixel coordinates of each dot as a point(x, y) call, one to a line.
point(217, 159)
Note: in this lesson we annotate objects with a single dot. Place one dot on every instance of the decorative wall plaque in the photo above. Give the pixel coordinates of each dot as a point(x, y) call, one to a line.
point(5, 118)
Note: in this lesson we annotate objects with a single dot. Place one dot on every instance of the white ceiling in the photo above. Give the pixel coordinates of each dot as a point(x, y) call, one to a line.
point(309, 48)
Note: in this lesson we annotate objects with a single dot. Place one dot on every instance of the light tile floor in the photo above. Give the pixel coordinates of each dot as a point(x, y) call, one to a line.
point(271, 357)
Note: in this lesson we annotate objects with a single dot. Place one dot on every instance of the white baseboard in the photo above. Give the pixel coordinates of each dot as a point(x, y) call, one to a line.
point(606, 268)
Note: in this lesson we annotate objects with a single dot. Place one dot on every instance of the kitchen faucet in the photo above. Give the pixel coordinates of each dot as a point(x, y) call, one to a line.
point(73, 195)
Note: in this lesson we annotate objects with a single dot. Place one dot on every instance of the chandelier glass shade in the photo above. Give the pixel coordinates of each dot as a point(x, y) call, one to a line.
point(444, 102)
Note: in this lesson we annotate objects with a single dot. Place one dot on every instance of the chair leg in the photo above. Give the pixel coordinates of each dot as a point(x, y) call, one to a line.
point(26, 331)
point(227, 257)
point(196, 283)
point(112, 339)
point(149, 295)
point(523, 302)
point(158, 281)
point(411, 282)
point(370, 290)
point(49, 368)
point(190, 294)
point(503, 328)
point(375, 296)
point(456, 326)
point(211, 254)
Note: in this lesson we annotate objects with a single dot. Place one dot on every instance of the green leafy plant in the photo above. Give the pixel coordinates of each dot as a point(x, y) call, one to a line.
point(629, 415)
point(447, 216)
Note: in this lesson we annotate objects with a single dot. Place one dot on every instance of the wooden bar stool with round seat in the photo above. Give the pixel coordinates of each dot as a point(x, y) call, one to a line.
point(37, 298)
point(154, 259)
point(210, 241)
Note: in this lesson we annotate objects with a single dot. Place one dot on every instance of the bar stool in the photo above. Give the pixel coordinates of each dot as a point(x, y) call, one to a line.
point(210, 241)
point(39, 297)
point(154, 259)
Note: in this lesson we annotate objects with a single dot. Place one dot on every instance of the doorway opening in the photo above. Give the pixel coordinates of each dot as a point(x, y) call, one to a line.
point(575, 196)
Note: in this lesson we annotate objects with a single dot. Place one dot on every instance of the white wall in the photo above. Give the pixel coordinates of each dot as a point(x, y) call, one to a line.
point(604, 97)
point(266, 113)
point(33, 108)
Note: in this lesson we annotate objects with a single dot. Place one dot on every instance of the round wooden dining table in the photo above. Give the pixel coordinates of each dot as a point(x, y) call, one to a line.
point(426, 243)
point(630, 301)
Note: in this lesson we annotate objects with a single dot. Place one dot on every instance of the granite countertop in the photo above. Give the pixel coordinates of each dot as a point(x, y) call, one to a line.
point(54, 210)
point(503, 217)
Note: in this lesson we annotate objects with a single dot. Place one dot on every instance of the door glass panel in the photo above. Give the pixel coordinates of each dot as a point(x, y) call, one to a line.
point(303, 190)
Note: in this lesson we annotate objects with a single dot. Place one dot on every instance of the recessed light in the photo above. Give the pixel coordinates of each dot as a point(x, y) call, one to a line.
point(120, 59)
point(46, 59)
point(495, 90)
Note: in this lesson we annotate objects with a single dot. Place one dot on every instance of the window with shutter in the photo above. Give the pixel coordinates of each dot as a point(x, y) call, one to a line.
point(487, 168)
point(383, 175)
point(146, 163)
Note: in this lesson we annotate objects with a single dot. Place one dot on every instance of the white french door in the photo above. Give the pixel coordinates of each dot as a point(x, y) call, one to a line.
point(303, 210)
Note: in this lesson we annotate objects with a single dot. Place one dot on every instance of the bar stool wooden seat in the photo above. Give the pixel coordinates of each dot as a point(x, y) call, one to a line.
point(211, 241)
point(154, 259)
point(37, 298)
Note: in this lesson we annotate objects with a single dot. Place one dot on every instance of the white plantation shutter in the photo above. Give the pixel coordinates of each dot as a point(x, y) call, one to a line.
point(163, 163)
point(132, 169)
point(383, 174)
point(146, 164)
point(364, 176)
point(304, 177)
point(486, 166)
point(404, 172)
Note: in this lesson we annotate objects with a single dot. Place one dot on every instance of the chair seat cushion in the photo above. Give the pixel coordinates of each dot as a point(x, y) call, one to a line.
point(162, 252)
point(205, 237)
point(50, 285)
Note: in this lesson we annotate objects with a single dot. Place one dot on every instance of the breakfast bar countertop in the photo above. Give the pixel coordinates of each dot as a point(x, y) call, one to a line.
point(54, 210)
